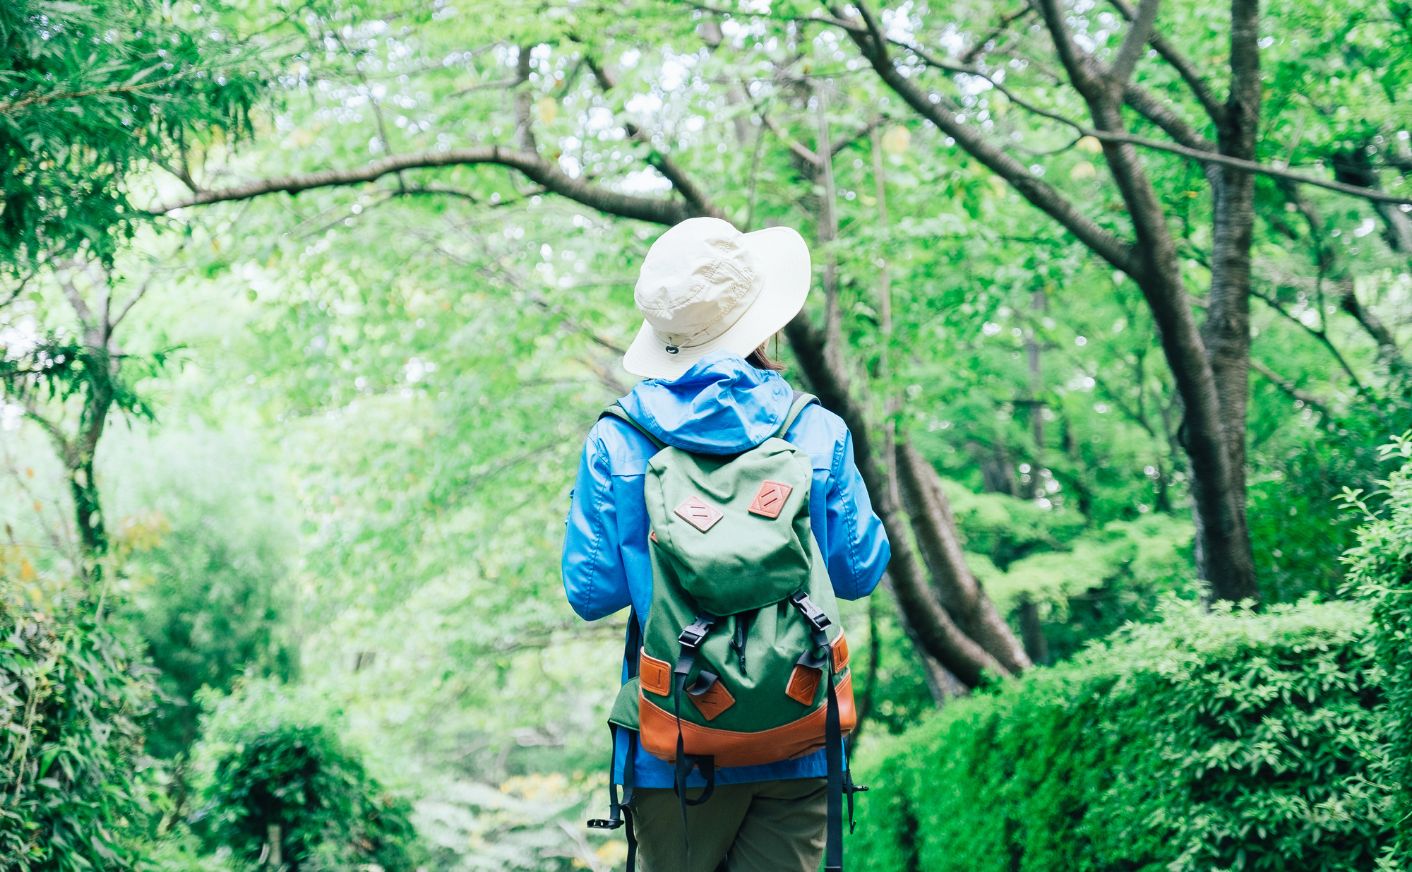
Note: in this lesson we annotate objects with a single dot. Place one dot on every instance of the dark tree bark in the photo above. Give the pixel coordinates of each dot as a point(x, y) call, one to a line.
point(76, 450)
point(1151, 260)
point(934, 528)
point(933, 625)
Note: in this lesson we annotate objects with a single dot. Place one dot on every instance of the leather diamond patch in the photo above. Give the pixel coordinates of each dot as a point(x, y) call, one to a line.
point(770, 499)
point(696, 513)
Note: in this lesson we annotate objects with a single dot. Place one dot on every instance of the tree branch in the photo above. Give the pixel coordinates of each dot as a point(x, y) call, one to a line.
point(873, 44)
point(1184, 68)
point(1189, 144)
point(533, 167)
point(1321, 336)
point(1134, 43)
point(663, 163)
point(1292, 390)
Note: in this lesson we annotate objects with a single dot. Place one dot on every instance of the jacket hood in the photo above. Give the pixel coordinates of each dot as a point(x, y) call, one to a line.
point(722, 405)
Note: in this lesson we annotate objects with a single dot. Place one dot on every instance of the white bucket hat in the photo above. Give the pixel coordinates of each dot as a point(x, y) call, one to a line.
point(705, 286)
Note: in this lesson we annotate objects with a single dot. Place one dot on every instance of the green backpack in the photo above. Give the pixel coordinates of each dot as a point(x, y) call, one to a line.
point(742, 660)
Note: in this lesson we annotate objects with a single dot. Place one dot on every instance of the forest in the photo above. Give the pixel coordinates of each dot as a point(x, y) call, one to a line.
point(306, 307)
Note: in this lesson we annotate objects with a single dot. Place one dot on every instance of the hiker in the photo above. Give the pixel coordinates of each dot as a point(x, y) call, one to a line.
point(726, 511)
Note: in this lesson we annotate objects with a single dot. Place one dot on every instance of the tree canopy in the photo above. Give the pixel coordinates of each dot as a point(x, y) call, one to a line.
point(1115, 298)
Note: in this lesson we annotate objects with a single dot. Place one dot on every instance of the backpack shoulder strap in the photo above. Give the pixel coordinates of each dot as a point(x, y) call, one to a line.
point(616, 410)
point(801, 399)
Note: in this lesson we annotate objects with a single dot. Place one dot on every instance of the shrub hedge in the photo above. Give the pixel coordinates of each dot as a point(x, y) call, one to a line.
point(1224, 740)
point(1380, 570)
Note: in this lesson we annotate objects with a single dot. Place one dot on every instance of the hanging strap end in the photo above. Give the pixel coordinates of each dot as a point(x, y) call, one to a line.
point(603, 824)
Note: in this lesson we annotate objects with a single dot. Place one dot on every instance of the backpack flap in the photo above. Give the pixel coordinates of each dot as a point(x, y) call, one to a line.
point(733, 531)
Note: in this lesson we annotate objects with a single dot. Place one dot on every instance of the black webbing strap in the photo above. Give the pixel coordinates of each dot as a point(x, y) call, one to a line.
point(690, 642)
point(833, 732)
point(833, 746)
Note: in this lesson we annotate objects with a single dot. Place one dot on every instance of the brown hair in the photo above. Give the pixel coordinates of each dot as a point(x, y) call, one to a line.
point(761, 359)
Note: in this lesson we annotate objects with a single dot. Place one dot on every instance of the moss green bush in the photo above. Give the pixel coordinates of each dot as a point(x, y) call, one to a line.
point(1380, 570)
point(71, 695)
point(1227, 740)
point(263, 765)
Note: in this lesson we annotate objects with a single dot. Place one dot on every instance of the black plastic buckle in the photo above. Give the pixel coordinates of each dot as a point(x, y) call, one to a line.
point(695, 633)
point(812, 613)
point(603, 824)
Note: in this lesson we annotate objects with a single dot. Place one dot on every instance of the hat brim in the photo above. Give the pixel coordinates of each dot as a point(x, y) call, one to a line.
point(781, 258)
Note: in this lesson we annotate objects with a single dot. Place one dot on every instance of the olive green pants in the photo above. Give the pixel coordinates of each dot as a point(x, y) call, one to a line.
point(768, 826)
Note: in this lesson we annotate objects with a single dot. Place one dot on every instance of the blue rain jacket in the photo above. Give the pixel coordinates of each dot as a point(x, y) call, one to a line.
point(722, 405)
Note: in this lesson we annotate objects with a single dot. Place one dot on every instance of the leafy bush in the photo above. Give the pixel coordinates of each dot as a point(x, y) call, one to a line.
point(1005, 528)
point(71, 695)
point(1099, 579)
point(206, 569)
point(1227, 740)
point(1380, 569)
point(295, 776)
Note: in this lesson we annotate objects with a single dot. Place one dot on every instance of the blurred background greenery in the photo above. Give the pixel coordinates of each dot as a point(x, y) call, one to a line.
point(305, 308)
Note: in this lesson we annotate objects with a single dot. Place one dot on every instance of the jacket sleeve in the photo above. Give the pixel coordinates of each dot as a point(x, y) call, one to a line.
point(858, 546)
point(594, 578)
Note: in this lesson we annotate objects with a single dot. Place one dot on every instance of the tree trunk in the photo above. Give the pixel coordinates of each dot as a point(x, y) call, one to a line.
point(934, 527)
point(1226, 333)
point(936, 631)
point(88, 514)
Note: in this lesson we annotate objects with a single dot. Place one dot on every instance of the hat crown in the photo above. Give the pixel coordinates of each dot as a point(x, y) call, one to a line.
point(696, 282)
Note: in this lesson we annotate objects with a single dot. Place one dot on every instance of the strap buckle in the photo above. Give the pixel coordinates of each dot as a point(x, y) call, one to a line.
point(603, 824)
point(811, 612)
point(695, 633)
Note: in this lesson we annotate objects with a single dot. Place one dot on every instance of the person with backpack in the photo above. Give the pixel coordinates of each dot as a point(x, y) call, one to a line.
point(724, 509)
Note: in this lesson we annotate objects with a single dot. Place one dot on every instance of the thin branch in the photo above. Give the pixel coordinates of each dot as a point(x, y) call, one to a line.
point(1190, 144)
point(662, 162)
point(75, 297)
point(1133, 44)
point(61, 441)
point(533, 167)
point(873, 45)
point(804, 152)
point(1291, 389)
point(1184, 68)
point(976, 50)
point(1162, 115)
point(1321, 336)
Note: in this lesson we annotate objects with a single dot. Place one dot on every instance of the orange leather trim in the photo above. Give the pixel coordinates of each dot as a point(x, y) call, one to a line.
point(655, 675)
point(714, 701)
point(840, 652)
point(730, 748)
point(803, 684)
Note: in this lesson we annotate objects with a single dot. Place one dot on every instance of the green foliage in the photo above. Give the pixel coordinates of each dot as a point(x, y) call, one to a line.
point(418, 357)
point(295, 775)
point(92, 92)
point(1084, 584)
point(71, 696)
point(1226, 740)
point(1380, 569)
point(204, 549)
point(1005, 529)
